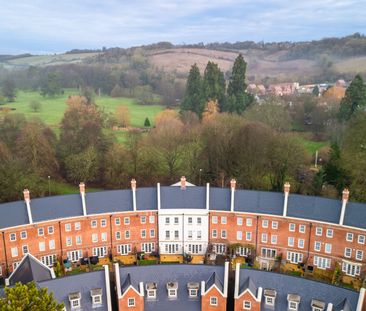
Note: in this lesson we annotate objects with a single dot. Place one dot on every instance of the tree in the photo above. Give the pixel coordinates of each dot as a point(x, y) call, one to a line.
point(214, 85)
point(35, 106)
point(8, 90)
point(52, 85)
point(123, 116)
point(29, 297)
point(193, 96)
point(83, 166)
point(316, 91)
point(354, 100)
point(211, 110)
point(238, 99)
point(147, 122)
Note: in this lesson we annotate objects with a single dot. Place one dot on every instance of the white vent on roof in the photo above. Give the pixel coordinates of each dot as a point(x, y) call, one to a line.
point(172, 288)
point(74, 299)
point(270, 297)
point(317, 305)
point(151, 290)
point(96, 295)
point(293, 301)
point(193, 288)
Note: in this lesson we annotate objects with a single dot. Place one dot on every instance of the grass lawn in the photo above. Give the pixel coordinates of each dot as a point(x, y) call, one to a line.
point(53, 108)
point(310, 145)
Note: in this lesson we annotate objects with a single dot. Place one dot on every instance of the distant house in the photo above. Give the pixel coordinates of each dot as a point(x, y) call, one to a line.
point(283, 88)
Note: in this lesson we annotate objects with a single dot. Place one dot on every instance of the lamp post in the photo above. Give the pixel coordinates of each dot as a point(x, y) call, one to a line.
point(49, 185)
point(199, 177)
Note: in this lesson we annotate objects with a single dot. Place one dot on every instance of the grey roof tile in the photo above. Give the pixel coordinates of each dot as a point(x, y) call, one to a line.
point(220, 199)
point(248, 284)
point(83, 283)
point(109, 201)
point(214, 280)
point(175, 197)
point(345, 305)
point(13, 214)
point(307, 289)
point(355, 215)
point(146, 199)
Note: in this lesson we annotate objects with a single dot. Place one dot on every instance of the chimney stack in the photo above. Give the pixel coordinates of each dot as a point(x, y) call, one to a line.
point(133, 187)
point(232, 186)
point(82, 194)
point(183, 183)
point(286, 190)
point(133, 184)
point(27, 203)
point(345, 197)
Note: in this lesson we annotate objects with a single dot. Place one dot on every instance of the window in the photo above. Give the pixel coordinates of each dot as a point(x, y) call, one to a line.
point(117, 221)
point(270, 300)
point(318, 231)
point(199, 235)
point(124, 249)
point(68, 241)
point(127, 234)
point(167, 235)
point(75, 303)
point(100, 251)
point(239, 221)
point(152, 219)
point(126, 220)
point(199, 220)
point(190, 221)
point(67, 228)
point(291, 241)
point(103, 223)
point(148, 247)
point(131, 302)
point(171, 248)
point(214, 219)
point(292, 305)
point(264, 223)
point(300, 243)
point(223, 220)
point(239, 235)
point(249, 222)
point(167, 220)
point(351, 269)
point(25, 249)
point(264, 238)
point(77, 226)
point(273, 239)
point(51, 244)
point(14, 252)
point(95, 237)
point(193, 292)
point(328, 248)
point(97, 299)
point(248, 236)
point(243, 251)
point(143, 233)
point(48, 260)
point(214, 233)
point(118, 235)
point(40, 231)
point(213, 301)
point(317, 246)
point(190, 234)
point(223, 234)
point(247, 305)
point(219, 248)
point(291, 227)
point(104, 237)
point(348, 252)
point(172, 293)
point(349, 237)
point(151, 293)
point(302, 228)
point(74, 256)
point(294, 257)
point(321, 262)
point(275, 225)
point(176, 220)
point(359, 254)
point(176, 234)
point(329, 233)
point(152, 233)
point(361, 239)
point(12, 237)
point(78, 240)
point(143, 219)
point(268, 252)
point(93, 223)
point(50, 230)
point(23, 235)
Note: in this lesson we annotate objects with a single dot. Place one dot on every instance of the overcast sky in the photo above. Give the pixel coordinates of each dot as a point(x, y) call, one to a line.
point(47, 26)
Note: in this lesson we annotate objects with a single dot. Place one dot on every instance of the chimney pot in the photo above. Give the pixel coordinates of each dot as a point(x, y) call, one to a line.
point(183, 183)
point(26, 195)
point(233, 184)
point(345, 194)
point(82, 188)
point(286, 187)
point(133, 184)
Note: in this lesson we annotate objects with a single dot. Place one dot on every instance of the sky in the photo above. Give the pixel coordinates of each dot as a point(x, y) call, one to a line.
point(54, 26)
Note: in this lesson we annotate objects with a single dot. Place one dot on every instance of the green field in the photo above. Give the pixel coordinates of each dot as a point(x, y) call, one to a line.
point(310, 145)
point(53, 108)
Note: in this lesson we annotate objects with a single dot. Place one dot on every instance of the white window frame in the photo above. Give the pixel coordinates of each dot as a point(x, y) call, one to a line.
point(301, 243)
point(12, 237)
point(302, 228)
point(51, 230)
point(249, 222)
point(223, 234)
point(359, 254)
point(361, 239)
point(23, 235)
point(213, 301)
point(293, 307)
point(103, 223)
point(127, 221)
point(79, 240)
point(239, 221)
point(131, 302)
point(223, 220)
point(247, 305)
point(316, 244)
point(274, 225)
point(346, 251)
point(14, 252)
point(117, 221)
point(239, 235)
point(214, 219)
point(349, 237)
point(26, 249)
point(95, 237)
point(104, 237)
point(68, 241)
point(274, 239)
point(124, 249)
point(40, 231)
point(322, 262)
point(51, 244)
point(264, 238)
point(77, 226)
point(329, 233)
point(290, 241)
point(151, 219)
point(143, 219)
point(265, 223)
point(214, 233)
point(152, 233)
point(127, 234)
point(118, 235)
point(248, 236)
point(291, 227)
point(143, 233)
point(94, 224)
point(327, 248)
point(67, 227)
point(318, 231)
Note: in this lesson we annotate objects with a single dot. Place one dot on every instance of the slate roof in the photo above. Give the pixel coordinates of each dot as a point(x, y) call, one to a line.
point(30, 269)
point(248, 284)
point(307, 289)
point(162, 274)
point(109, 201)
point(214, 280)
point(175, 197)
point(220, 199)
point(146, 199)
point(13, 214)
point(129, 282)
point(83, 283)
point(355, 215)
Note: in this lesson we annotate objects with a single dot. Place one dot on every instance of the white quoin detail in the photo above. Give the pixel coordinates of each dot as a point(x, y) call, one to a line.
point(158, 195)
point(82, 194)
point(27, 203)
point(345, 197)
point(286, 190)
point(133, 187)
point(207, 196)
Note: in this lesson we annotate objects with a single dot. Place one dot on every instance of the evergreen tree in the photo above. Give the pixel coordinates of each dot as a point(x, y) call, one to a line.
point(214, 85)
point(316, 91)
point(238, 99)
point(52, 85)
point(193, 99)
point(147, 122)
point(355, 99)
point(8, 90)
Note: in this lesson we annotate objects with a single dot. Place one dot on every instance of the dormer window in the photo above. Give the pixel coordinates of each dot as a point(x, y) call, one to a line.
point(172, 288)
point(96, 295)
point(293, 301)
point(213, 301)
point(270, 297)
point(74, 299)
point(151, 290)
point(317, 305)
point(193, 289)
